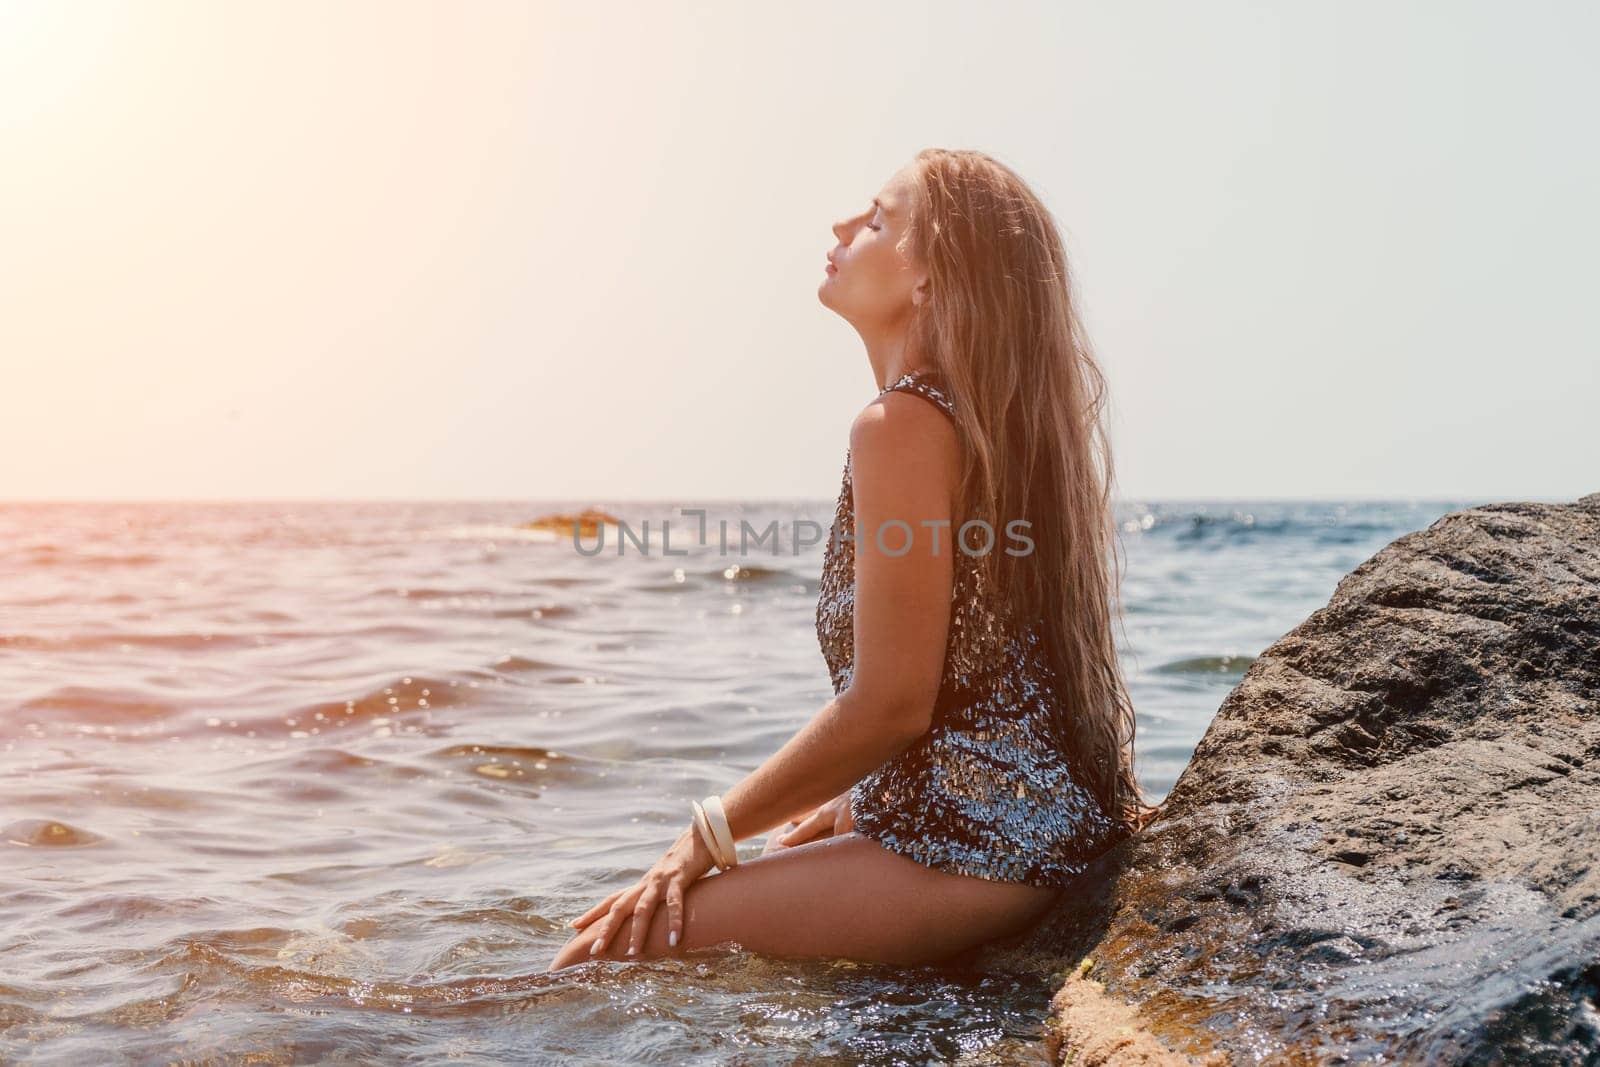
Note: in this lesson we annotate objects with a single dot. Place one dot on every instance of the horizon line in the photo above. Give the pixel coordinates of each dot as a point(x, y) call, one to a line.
point(596, 501)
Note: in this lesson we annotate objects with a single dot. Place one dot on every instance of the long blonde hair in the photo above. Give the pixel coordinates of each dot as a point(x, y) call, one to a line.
point(1003, 329)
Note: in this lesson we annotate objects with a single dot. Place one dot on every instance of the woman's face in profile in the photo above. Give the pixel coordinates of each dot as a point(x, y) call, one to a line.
point(870, 281)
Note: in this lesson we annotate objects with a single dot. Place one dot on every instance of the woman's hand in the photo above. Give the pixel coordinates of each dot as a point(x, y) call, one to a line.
point(831, 818)
point(683, 863)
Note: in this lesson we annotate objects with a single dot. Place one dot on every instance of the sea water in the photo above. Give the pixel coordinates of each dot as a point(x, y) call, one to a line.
point(323, 782)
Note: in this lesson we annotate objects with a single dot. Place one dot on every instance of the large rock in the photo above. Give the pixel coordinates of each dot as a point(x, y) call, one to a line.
point(1386, 844)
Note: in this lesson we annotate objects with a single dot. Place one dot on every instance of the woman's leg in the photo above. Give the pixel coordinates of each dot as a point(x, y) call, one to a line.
point(843, 896)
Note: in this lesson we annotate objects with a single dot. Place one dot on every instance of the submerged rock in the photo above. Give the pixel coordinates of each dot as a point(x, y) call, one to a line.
point(1387, 845)
point(588, 522)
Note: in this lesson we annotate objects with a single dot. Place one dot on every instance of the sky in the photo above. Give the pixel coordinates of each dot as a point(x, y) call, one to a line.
point(572, 251)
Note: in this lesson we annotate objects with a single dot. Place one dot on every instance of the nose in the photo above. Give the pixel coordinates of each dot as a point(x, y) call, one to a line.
point(842, 231)
point(845, 230)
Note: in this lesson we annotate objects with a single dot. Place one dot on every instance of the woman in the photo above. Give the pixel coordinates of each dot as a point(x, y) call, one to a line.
point(978, 751)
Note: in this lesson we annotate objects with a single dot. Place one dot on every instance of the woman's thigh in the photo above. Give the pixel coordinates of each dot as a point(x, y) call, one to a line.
point(843, 896)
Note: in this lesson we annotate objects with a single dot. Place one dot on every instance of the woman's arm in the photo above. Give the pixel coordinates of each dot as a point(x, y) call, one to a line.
point(904, 461)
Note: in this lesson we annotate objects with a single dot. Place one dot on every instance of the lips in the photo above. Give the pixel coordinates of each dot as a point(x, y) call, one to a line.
point(831, 269)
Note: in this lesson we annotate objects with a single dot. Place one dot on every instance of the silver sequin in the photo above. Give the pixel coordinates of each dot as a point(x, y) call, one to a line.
point(987, 791)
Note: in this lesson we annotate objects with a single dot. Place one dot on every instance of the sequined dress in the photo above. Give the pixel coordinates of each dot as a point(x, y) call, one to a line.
point(986, 791)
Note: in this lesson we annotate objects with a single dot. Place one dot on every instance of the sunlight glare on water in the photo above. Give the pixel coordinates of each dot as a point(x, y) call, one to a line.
point(326, 780)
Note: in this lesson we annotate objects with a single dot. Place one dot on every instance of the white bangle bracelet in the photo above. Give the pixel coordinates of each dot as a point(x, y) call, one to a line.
point(708, 837)
point(719, 826)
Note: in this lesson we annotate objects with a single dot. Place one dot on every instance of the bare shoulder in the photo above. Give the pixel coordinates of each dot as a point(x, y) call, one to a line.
point(900, 424)
point(901, 438)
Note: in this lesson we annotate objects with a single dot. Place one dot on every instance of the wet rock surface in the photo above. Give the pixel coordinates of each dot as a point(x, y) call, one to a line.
point(1388, 842)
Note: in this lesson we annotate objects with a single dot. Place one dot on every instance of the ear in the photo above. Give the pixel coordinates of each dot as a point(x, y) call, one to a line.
point(920, 293)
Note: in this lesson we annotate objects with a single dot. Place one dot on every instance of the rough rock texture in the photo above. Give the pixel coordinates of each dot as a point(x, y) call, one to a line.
point(1387, 845)
point(1090, 1029)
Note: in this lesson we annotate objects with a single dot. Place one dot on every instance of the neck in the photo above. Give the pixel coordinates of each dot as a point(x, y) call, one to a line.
point(887, 352)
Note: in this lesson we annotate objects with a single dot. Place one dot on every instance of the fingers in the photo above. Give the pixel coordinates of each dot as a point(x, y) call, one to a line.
point(805, 830)
point(642, 911)
point(777, 839)
point(595, 912)
point(606, 928)
point(674, 913)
